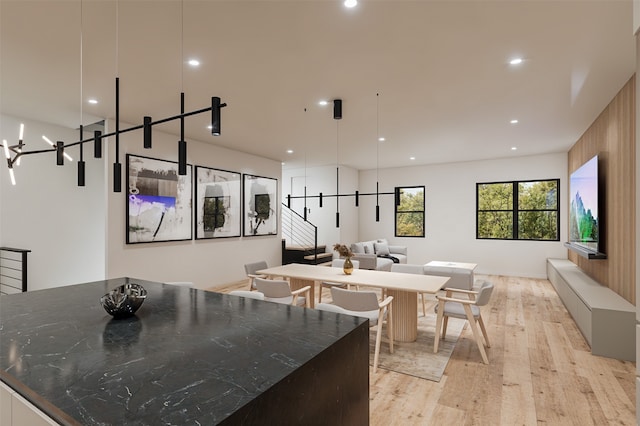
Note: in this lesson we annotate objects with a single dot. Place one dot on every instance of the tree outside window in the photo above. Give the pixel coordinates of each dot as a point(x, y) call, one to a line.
point(518, 210)
point(410, 211)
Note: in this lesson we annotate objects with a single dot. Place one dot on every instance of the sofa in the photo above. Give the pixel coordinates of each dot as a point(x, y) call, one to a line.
point(378, 254)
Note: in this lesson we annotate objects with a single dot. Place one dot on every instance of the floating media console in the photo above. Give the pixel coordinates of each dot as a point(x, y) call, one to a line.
point(584, 252)
point(605, 319)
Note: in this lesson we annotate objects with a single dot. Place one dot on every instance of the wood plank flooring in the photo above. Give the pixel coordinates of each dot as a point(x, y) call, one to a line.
point(540, 371)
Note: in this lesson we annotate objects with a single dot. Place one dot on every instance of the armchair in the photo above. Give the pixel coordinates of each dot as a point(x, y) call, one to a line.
point(468, 309)
point(279, 291)
point(363, 304)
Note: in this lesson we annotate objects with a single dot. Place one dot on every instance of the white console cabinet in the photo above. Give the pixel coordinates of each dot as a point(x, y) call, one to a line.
point(606, 319)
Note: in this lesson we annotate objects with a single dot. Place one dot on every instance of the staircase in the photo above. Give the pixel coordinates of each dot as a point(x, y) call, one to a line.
point(300, 240)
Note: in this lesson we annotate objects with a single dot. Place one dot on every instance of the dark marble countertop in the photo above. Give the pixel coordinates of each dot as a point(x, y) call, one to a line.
point(187, 357)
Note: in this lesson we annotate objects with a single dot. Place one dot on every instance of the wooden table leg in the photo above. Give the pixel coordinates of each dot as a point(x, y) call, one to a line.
point(297, 283)
point(405, 315)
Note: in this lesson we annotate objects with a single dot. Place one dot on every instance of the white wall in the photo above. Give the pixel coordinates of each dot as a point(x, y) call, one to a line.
point(450, 213)
point(206, 263)
point(46, 212)
point(323, 179)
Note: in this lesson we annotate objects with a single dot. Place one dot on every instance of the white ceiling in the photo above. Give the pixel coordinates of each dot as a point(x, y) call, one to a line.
point(441, 68)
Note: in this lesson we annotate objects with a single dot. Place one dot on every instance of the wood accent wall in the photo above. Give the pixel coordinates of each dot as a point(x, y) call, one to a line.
point(612, 137)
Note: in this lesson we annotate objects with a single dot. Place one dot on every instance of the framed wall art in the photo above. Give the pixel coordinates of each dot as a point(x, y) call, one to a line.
point(159, 201)
point(260, 205)
point(218, 203)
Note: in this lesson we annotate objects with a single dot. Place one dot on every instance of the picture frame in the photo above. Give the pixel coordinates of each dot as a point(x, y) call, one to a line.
point(218, 203)
point(158, 201)
point(260, 205)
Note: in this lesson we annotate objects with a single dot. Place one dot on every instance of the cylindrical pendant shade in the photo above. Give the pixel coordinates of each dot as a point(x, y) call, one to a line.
point(80, 173)
point(117, 177)
point(337, 109)
point(60, 153)
point(377, 213)
point(97, 144)
point(215, 116)
point(182, 158)
point(147, 132)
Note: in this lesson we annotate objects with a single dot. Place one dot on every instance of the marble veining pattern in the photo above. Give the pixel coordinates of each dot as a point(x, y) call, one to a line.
point(187, 356)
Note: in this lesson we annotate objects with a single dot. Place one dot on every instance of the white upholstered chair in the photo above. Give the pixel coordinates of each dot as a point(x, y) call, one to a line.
point(336, 263)
point(279, 291)
point(465, 308)
point(248, 294)
point(412, 269)
point(363, 304)
point(251, 268)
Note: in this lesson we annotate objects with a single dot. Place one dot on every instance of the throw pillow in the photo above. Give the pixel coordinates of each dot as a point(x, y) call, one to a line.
point(368, 247)
point(382, 249)
point(357, 248)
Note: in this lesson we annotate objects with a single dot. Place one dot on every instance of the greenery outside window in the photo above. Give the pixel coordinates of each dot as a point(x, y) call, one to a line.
point(409, 212)
point(518, 210)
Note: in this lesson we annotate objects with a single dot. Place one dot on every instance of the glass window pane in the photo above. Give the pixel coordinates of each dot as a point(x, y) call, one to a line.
point(542, 195)
point(538, 225)
point(410, 224)
point(495, 225)
point(495, 196)
point(411, 199)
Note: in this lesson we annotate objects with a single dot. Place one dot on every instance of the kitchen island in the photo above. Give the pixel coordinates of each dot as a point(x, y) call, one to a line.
point(187, 357)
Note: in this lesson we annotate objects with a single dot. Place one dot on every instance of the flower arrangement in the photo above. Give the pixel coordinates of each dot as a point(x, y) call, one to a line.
point(343, 250)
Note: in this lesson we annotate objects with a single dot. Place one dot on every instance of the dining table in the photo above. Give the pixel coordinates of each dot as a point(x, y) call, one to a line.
point(402, 286)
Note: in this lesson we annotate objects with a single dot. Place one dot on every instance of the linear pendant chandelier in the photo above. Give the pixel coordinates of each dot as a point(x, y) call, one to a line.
point(337, 115)
point(13, 153)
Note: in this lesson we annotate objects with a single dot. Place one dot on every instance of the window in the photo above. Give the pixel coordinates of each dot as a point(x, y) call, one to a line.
point(525, 210)
point(410, 211)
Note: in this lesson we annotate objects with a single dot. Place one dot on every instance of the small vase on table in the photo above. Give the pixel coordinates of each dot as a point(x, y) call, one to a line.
point(348, 266)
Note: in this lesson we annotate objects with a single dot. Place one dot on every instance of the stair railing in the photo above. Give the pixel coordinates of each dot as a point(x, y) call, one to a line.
point(298, 231)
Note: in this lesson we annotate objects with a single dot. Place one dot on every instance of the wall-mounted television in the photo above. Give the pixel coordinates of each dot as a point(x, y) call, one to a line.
point(585, 214)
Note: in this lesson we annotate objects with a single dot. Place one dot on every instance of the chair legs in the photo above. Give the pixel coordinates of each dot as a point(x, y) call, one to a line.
point(481, 339)
point(476, 335)
point(376, 354)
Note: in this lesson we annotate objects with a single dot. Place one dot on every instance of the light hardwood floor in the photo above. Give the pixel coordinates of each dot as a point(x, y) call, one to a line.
point(540, 371)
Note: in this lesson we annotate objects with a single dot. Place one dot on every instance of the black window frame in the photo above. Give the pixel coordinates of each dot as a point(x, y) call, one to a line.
point(396, 212)
point(515, 210)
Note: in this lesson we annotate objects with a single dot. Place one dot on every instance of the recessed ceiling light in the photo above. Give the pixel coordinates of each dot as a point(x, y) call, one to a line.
point(516, 61)
point(210, 127)
point(514, 122)
point(283, 163)
point(350, 3)
point(289, 151)
point(412, 158)
point(381, 139)
point(93, 101)
point(194, 62)
point(514, 148)
point(323, 103)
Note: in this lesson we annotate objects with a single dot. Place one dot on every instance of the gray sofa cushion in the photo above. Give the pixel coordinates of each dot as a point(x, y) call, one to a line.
point(381, 248)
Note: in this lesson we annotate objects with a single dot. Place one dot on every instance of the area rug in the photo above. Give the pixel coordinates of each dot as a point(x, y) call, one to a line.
point(417, 358)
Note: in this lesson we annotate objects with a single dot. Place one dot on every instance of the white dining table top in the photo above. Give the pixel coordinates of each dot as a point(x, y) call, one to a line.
point(363, 277)
point(462, 265)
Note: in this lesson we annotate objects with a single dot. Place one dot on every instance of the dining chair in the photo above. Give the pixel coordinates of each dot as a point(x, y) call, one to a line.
point(248, 294)
point(363, 304)
point(469, 309)
point(251, 268)
point(406, 268)
point(279, 291)
point(336, 263)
